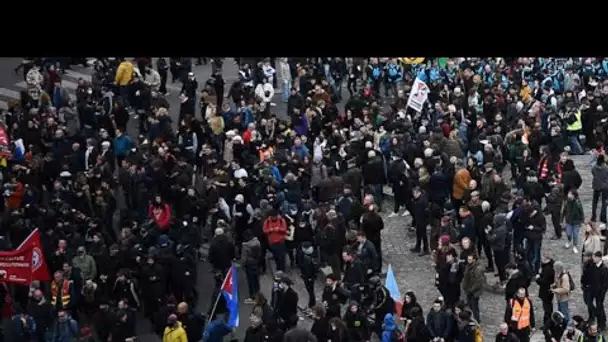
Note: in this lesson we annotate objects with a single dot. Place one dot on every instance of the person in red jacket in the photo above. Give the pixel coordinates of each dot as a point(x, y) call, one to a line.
point(160, 212)
point(275, 229)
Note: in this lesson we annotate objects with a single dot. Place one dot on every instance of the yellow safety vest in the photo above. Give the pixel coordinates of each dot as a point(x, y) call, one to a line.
point(65, 293)
point(576, 125)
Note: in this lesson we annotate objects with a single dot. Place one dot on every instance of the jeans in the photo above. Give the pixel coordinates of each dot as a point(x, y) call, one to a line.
point(572, 231)
point(575, 145)
point(533, 248)
point(337, 87)
point(378, 194)
point(597, 194)
point(473, 302)
point(563, 308)
point(286, 90)
point(278, 253)
point(253, 279)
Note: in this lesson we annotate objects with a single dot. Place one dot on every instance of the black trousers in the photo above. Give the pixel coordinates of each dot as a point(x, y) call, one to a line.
point(597, 194)
point(557, 224)
point(163, 81)
point(422, 238)
point(309, 284)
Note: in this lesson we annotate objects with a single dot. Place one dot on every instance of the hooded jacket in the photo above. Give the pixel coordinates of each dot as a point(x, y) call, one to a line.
point(497, 237)
point(388, 327)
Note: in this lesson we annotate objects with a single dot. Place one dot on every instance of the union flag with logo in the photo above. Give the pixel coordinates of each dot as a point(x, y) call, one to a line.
point(24, 264)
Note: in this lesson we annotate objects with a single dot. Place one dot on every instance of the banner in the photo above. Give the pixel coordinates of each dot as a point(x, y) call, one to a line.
point(24, 264)
point(16, 267)
point(418, 95)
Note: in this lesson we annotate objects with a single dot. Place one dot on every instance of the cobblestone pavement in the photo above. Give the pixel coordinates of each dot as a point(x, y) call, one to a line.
point(416, 273)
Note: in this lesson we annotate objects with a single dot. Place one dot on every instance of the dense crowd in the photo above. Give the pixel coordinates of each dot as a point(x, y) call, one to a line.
point(307, 186)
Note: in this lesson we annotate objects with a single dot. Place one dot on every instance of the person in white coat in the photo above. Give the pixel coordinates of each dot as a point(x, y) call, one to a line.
point(152, 79)
point(264, 92)
point(268, 71)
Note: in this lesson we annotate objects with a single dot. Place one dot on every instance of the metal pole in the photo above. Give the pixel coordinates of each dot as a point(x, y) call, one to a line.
point(217, 300)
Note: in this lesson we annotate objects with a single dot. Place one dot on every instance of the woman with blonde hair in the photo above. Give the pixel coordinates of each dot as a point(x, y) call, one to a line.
point(593, 238)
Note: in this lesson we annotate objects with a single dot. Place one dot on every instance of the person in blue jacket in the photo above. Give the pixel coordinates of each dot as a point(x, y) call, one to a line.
point(217, 329)
point(388, 328)
point(23, 327)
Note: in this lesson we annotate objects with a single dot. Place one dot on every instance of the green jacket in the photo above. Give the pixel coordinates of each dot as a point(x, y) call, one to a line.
point(573, 212)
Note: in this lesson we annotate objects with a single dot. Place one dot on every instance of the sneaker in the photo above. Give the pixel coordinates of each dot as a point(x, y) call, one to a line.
point(575, 250)
point(249, 301)
point(567, 245)
point(392, 215)
point(405, 213)
point(415, 250)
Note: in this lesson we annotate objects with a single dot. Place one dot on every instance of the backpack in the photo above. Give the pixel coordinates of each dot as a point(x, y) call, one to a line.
point(572, 284)
point(397, 336)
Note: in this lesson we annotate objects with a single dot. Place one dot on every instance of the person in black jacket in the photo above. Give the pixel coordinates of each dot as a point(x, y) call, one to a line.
point(421, 217)
point(545, 278)
point(409, 303)
point(536, 225)
point(334, 295)
point(221, 251)
point(286, 305)
point(595, 288)
point(357, 324)
point(372, 225)
point(374, 176)
point(570, 177)
point(366, 252)
point(193, 323)
point(308, 271)
point(42, 313)
point(320, 325)
point(256, 332)
point(439, 321)
point(354, 273)
point(555, 326)
point(398, 181)
point(497, 236)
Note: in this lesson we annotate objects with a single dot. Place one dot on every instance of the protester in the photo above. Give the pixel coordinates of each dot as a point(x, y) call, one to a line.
point(306, 185)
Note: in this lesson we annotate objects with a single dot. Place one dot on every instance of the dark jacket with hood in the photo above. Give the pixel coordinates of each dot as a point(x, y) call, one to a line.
point(545, 280)
point(497, 237)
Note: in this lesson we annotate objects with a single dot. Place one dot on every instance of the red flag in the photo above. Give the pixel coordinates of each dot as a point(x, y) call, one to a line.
point(40, 270)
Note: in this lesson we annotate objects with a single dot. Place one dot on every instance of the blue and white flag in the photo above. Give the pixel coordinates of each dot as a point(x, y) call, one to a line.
point(230, 291)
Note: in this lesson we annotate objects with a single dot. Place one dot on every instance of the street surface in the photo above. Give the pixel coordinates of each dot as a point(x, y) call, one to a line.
point(412, 272)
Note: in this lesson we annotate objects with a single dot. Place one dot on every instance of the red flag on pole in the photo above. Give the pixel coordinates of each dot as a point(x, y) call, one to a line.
point(40, 270)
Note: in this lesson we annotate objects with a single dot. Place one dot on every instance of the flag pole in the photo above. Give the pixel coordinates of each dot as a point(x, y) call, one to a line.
point(217, 300)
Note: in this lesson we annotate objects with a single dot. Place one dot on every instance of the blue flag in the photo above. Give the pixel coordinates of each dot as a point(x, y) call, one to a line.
point(230, 291)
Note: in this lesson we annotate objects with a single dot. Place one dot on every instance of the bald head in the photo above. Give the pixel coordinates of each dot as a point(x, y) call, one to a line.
point(182, 307)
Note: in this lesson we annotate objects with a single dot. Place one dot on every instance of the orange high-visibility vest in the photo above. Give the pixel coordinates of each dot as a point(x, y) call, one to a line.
point(521, 313)
point(65, 293)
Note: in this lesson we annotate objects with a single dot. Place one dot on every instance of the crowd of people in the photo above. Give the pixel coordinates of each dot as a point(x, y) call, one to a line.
point(307, 187)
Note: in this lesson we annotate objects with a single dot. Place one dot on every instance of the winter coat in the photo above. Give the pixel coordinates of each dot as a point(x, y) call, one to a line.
point(251, 252)
point(462, 178)
point(474, 279)
point(497, 237)
point(175, 334)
